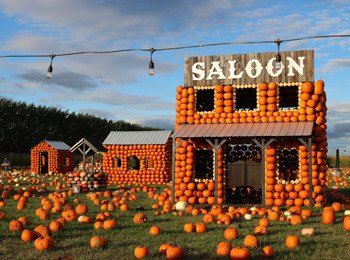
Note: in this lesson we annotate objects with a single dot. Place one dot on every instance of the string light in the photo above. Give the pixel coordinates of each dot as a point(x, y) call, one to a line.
point(278, 63)
point(49, 69)
point(151, 64)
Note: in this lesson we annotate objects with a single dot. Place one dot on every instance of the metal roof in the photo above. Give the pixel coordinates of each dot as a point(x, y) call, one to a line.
point(92, 143)
point(137, 137)
point(245, 130)
point(58, 145)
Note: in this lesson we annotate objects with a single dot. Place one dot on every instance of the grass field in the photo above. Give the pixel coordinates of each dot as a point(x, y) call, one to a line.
point(329, 241)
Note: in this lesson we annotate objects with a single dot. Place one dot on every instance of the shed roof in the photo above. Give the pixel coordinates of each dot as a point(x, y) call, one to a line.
point(58, 145)
point(92, 143)
point(273, 129)
point(137, 137)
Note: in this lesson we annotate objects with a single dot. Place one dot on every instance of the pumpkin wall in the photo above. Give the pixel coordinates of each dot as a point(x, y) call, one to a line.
point(158, 173)
point(56, 159)
point(287, 162)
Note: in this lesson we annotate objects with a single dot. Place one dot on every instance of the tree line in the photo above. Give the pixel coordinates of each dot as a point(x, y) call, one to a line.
point(22, 126)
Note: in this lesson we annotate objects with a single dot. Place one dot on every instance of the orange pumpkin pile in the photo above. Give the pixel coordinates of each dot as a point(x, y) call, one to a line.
point(291, 187)
point(56, 158)
point(160, 173)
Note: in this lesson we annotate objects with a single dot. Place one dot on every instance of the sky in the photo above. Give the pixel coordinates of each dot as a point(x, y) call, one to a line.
point(117, 86)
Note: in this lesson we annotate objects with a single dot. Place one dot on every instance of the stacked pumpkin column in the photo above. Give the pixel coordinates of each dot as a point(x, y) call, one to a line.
point(312, 107)
point(187, 187)
point(159, 174)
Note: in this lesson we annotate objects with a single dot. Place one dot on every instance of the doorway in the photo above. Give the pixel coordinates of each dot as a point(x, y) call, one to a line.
point(44, 162)
point(244, 174)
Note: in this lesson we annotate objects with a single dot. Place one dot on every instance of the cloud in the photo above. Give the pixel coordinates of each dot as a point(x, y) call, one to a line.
point(334, 65)
point(70, 80)
point(342, 128)
point(162, 123)
point(99, 113)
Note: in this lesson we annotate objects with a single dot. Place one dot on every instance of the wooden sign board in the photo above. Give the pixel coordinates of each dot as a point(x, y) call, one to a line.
point(252, 68)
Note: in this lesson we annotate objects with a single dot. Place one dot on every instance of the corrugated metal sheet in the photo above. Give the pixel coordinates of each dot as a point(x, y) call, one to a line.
point(245, 130)
point(137, 137)
point(58, 145)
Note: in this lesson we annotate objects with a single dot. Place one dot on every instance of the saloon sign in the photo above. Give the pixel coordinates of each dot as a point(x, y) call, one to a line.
point(254, 68)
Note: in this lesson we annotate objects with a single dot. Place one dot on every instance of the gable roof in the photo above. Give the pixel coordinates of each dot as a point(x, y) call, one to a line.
point(92, 143)
point(58, 145)
point(137, 137)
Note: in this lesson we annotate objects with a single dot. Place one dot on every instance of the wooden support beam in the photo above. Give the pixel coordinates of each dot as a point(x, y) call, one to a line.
point(263, 146)
point(216, 147)
point(173, 168)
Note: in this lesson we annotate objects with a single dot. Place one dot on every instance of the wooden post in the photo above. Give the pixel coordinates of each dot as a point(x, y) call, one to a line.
point(84, 149)
point(263, 146)
point(173, 169)
point(92, 164)
point(216, 147)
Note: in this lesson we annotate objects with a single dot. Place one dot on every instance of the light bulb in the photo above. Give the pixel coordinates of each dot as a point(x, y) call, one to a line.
point(49, 72)
point(278, 63)
point(151, 68)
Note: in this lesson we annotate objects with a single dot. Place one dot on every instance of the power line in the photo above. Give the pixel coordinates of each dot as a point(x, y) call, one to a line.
point(173, 48)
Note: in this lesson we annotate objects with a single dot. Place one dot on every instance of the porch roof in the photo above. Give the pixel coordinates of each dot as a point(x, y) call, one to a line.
point(268, 129)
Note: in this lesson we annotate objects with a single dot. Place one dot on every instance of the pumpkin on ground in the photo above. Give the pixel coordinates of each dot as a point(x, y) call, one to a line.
point(139, 218)
point(189, 227)
point(28, 235)
point(98, 241)
point(328, 216)
point(16, 225)
point(174, 252)
point(292, 241)
point(251, 241)
point(155, 230)
point(42, 230)
point(240, 253)
point(141, 252)
point(267, 252)
point(307, 231)
point(163, 248)
point(44, 243)
point(223, 249)
point(346, 223)
point(231, 233)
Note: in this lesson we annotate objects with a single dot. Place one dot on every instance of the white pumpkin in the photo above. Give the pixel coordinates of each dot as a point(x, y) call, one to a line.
point(347, 212)
point(181, 205)
point(80, 219)
point(253, 208)
point(307, 231)
point(248, 216)
point(287, 213)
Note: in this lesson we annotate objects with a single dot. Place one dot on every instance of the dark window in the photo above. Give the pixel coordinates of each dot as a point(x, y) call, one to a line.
point(150, 163)
point(288, 97)
point(133, 163)
point(66, 160)
point(246, 99)
point(204, 168)
point(205, 100)
point(117, 162)
point(288, 164)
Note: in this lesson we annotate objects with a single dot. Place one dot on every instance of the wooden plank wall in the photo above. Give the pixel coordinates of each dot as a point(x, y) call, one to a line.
point(242, 60)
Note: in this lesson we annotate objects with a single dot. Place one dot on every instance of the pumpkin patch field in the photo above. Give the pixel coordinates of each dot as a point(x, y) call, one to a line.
point(138, 222)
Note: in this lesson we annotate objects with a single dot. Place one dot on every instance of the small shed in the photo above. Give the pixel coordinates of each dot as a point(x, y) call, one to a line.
point(52, 156)
point(88, 146)
point(138, 157)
